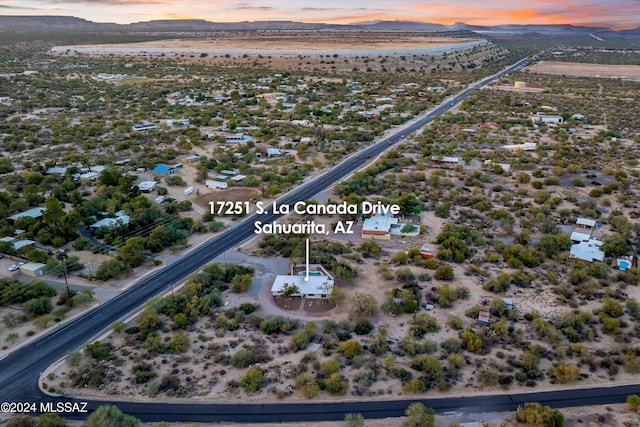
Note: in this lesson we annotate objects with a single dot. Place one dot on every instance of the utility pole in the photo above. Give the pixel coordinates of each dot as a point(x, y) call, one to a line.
point(63, 257)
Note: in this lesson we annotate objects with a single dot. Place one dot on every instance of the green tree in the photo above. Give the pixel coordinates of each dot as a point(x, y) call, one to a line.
point(110, 416)
point(132, 252)
point(419, 416)
point(363, 305)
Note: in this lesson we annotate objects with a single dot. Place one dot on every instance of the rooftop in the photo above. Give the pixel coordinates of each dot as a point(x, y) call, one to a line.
point(379, 223)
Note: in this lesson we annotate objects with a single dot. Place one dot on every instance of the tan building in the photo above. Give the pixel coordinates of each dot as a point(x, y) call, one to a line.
point(33, 269)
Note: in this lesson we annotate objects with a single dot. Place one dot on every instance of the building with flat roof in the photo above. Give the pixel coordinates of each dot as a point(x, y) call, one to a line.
point(33, 269)
point(588, 251)
point(145, 127)
point(237, 138)
point(147, 186)
point(121, 218)
point(319, 285)
point(378, 226)
point(31, 213)
point(167, 170)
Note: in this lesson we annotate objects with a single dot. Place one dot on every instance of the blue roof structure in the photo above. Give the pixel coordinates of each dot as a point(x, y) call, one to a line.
point(163, 169)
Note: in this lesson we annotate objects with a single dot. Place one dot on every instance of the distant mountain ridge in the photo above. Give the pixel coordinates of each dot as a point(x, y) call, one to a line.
point(21, 22)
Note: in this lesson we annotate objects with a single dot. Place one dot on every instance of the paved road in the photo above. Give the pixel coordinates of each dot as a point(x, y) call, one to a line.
point(19, 370)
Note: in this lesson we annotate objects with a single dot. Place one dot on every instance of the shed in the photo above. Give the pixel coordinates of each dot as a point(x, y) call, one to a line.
point(484, 318)
point(147, 186)
point(33, 269)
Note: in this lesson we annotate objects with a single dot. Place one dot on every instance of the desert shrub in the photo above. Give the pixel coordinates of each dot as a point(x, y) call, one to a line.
point(336, 385)
point(169, 382)
point(253, 380)
point(444, 272)
point(98, 350)
point(307, 385)
point(363, 327)
point(329, 366)
point(351, 349)
point(143, 373)
point(37, 306)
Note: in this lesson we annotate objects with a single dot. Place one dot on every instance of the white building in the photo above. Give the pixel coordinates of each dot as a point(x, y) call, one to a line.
point(121, 218)
point(538, 118)
point(147, 186)
point(378, 227)
point(319, 284)
point(216, 185)
point(527, 146)
point(237, 138)
point(588, 251)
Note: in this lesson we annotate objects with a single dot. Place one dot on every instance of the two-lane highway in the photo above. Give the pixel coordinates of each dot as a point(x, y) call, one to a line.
point(19, 370)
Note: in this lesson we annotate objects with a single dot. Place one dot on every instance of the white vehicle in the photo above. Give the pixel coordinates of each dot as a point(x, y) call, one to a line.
point(14, 267)
point(160, 200)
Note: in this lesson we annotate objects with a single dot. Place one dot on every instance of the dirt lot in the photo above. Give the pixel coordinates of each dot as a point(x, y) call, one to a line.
point(301, 41)
point(586, 70)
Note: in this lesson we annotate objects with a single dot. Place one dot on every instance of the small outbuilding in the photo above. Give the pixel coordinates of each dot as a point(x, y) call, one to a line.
point(33, 269)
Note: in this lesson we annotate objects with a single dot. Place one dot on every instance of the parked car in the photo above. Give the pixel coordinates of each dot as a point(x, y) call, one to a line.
point(14, 267)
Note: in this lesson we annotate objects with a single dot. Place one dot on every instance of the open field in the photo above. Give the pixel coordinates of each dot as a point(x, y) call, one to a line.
point(631, 72)
point(355, 42)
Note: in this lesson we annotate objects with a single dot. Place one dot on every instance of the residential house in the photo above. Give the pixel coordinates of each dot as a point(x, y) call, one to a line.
point(527, 146)
point(378, 227)
point(167, 170)
point(314, 284)
point(216, 185)
point(237, 138)
point(31, 213)
point(542, 118)
point(147, 186)
point(273, 152)
point(120, 218)
point(588, 251)
point(145, 127)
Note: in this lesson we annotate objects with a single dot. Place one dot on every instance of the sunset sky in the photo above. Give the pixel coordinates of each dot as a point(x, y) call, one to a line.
point(617, 14)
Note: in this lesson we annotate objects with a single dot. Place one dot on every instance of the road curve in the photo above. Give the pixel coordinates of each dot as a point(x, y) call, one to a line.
point(19, 371)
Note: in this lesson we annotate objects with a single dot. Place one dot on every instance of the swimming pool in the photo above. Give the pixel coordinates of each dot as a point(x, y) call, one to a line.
point(623, 265)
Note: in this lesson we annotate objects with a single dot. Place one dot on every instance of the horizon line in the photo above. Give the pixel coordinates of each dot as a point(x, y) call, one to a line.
point(326, 23)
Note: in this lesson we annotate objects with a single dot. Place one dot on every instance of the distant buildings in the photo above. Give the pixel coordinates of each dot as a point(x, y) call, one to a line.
point(527, 146)
point(145, 127)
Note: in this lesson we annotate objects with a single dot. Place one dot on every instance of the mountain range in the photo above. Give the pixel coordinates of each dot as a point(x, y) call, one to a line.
point(30, 23)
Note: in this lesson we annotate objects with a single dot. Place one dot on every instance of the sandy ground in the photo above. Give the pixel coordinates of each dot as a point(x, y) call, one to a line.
point(586, 70)
point(298, 41)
